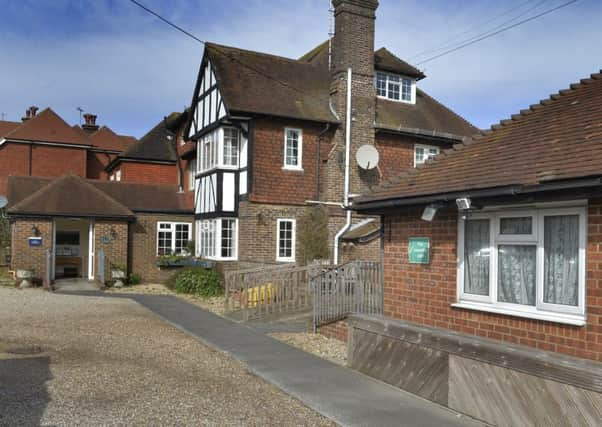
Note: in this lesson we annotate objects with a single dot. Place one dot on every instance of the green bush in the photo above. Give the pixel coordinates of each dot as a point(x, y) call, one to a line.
point(134, 279)
point(312, 233)
point(198, 281)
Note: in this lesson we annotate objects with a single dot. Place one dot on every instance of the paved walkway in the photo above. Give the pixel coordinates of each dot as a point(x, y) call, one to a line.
point(344, 395)
point(75, 285)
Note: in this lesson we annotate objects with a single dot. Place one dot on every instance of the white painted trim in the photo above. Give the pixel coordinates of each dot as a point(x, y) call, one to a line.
point(427, 148)
point(91, 248)
point(293, 240)
point(172, 225)
point(541, 310)
point(299, 166)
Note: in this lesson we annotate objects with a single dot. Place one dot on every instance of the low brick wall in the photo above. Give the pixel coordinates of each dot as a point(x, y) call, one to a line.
point(338, 330)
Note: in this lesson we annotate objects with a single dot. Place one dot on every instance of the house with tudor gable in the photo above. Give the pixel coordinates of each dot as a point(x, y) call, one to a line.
point(275, 135)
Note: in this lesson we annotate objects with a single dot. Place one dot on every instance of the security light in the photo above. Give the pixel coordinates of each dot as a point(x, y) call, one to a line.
point(429, 213)
point(463, 203)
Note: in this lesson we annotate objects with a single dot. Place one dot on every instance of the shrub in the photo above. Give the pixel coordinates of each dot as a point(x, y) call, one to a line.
point(312, 232)
point(198, 281)
point(134, 279)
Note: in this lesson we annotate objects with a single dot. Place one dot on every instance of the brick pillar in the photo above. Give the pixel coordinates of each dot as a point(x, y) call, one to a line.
point(25, 257)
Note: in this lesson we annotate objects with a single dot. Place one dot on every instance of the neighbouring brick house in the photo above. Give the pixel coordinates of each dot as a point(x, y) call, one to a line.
point(500, 293)
point(73, 218)
point(270, 135)
point(45, 145)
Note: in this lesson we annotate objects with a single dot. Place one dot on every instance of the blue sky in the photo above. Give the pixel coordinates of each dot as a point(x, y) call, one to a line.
point(114, 60)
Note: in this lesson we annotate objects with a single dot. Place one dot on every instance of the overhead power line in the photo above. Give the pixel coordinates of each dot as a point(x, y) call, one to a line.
point(221, 52)
point(494, 33)
point(453, 40)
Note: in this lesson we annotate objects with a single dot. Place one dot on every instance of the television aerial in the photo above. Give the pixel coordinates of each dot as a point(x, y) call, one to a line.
point(367, 157)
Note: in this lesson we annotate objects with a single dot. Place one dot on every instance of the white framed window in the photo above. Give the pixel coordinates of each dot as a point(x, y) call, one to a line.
point(118, 175)
point(192, 175)
point(172, 238)
point(424, 152)
point(527, 263)
point(231, 146)
point(395, 87)
point(285, 243)
point(218, 238)
point(293, 149)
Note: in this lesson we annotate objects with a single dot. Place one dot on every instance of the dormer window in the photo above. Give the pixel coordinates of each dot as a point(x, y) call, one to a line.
point(395, 87)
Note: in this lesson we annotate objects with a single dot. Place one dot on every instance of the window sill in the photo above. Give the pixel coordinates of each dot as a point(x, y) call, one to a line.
point(287, 260)
point(292, 169)
point(567, 319)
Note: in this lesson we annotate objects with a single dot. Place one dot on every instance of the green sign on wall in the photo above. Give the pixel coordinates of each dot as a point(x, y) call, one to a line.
point(418, 250)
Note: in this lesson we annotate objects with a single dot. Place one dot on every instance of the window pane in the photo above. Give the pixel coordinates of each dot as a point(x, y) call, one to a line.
point(561, 260)
point(285, 239)
point(231, 138)
point(228, 238)
point(419, 155)
point(164, 239)
point(394, 91)
point(381, 84)
point(182, 237)
point(522, 225)
point(476, 257)
point(406, 90)
point(516, 274)
point(292, 148)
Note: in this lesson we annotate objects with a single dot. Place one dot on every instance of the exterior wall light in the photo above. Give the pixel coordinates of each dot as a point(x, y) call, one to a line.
point(429, 212)
point(463, 203)
point(35, 231)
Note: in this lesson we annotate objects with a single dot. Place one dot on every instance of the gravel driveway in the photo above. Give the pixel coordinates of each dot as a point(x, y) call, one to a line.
point(73, 360)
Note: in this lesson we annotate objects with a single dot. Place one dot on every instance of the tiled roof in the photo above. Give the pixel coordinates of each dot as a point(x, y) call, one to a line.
point(157, 145)
point(48, 126)
point(7, 127)
point(253, 82)
point(559, 138)
point(75, 196)
point(105, 139)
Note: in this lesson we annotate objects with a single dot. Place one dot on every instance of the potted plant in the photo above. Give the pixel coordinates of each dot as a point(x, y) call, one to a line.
point(118, 274)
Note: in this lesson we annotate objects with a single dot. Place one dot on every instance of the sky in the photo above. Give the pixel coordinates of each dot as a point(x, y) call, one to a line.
point(112, 59)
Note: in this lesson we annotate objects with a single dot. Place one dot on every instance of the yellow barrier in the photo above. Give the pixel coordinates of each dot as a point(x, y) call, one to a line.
point(263, 294)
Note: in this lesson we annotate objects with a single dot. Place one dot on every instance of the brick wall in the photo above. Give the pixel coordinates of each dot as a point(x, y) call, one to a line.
point(143, 241)
point(96, 164)
point(112, 238)
point(423, 294)
point(14, 160)
point(397, 152)
point(148, 173)
point(49, 161)
point(30, 257)
point(271, 183)
point(338, 330)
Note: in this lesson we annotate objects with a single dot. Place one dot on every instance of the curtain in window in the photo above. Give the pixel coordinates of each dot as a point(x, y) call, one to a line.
point(476, 257)
point(561, 259)
point(516, 274)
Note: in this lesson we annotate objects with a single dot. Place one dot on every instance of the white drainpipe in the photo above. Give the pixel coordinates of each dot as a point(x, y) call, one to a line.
point(347, 161)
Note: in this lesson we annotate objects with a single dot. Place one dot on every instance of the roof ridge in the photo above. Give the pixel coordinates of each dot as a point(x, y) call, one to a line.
point(254, 52)
point(544, 102)
point(307, 57)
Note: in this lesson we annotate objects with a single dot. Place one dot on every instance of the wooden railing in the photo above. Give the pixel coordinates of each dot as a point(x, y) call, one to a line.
point(355, 287)
point(271, 290)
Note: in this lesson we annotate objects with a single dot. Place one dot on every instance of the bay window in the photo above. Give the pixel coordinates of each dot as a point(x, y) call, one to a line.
point(528, 263)
point(220, 148)
point(217, 238)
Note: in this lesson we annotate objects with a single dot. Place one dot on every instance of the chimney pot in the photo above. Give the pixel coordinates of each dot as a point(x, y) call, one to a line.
point(34, 110)
point(90, 122)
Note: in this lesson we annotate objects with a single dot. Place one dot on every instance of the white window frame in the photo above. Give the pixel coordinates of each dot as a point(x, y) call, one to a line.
point(427, 148)
point(401, 77)
point(223, 147)
point(217, 243)
point(541, 311)
point(172, 230)
point(118, 175)
point(293, 240)
point(299, 165)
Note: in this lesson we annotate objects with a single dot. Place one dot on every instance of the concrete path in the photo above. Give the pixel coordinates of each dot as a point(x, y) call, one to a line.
point(75, 285)
point(344, 395)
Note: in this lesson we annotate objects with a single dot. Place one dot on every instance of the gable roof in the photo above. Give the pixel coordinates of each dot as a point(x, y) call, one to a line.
point(558, 139)
point(253, 82)
point(47, 126)
point(66, 196)
point(105, 139)
point(157, 145)
point(75, 196)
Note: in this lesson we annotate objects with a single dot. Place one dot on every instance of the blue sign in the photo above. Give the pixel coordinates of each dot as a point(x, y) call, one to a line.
point(105, 239)
point(35, 241)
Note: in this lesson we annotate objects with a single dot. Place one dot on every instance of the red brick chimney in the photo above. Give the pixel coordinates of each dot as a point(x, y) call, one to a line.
point(90, 123)
point(30, 113)
point(353, 46)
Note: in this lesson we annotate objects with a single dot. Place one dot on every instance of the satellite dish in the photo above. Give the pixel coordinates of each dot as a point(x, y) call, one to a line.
point(367, 157)
point(3, 202)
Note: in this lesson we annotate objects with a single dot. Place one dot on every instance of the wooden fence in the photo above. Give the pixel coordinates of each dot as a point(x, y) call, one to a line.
point(267, 291)
point(355, 287)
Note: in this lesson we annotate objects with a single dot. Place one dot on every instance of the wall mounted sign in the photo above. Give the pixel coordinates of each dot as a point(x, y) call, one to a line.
point(419, 250)
point(105, 239)
point(35, 241)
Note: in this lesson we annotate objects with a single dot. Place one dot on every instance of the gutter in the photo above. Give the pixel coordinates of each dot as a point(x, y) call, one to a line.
point(510, 190)
point(420, 132)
